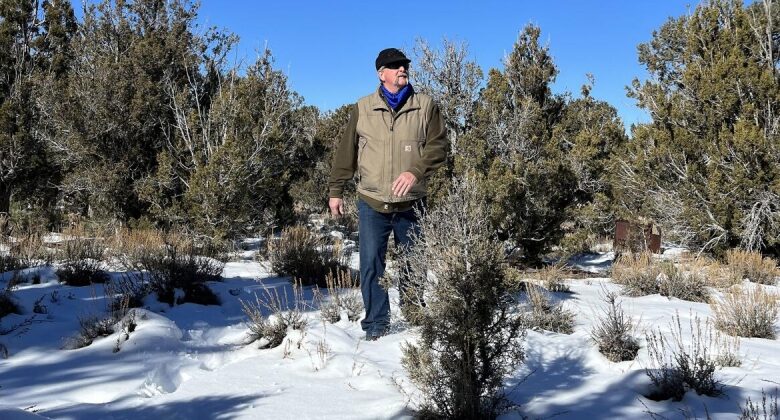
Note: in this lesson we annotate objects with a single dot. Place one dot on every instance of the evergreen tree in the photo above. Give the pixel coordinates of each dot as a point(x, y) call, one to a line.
point(706, 166)
point(20, 151)
point(590, 134)
point(522, 168)
point(110, 117)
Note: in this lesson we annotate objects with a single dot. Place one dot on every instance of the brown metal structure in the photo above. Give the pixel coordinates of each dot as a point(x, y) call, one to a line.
point(636, 237)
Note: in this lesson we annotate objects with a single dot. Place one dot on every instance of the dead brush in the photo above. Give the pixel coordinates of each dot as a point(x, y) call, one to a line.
point(767, 409)
point(637, 273)
point(683, 283)
point(613, 332)
point(677, 366)
point(92, 326)
point(544, 315)
point(81, 259)
point(25, 250)
point(751, 265)
point(342, 296)
point(746, 312)
point(552, 278)
point(283, 315)
point(303, 255)
point(7, 304)
point(171, 262)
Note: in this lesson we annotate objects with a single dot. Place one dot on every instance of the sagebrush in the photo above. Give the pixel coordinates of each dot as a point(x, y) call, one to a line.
point(682, 361)
point(613, 332)
point(747, 312)
point(470, 327)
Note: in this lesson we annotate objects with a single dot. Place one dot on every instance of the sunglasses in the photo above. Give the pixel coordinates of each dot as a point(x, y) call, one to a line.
point(397, 65)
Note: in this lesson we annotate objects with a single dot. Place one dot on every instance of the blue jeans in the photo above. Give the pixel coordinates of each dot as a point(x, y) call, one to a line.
point(374, 230)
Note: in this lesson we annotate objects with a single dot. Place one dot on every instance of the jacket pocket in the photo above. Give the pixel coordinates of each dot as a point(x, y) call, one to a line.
point(410, 153)
point(369, 165)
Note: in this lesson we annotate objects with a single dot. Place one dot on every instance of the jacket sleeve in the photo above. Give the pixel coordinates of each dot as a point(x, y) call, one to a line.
point(344, 158)
point(436, 146)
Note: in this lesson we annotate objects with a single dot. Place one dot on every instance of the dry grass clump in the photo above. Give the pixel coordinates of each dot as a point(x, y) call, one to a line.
point(284, 313)
point(640, 276)
point(677, 366)
point(544, 315)
point(766, 410)
point(746, 312)
point(342, 296)
point(303, 255)
point(751, 265)
point(81, 259)
point(25, 250)
point(686, 283)
point(613, 333)
point(637, 273)
point(172, 262)
point(552, 278)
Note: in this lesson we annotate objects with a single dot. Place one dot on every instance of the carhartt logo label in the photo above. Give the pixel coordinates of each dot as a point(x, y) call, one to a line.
point(407, 148)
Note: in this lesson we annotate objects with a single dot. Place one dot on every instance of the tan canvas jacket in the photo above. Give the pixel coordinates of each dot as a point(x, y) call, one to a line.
point(380, 144)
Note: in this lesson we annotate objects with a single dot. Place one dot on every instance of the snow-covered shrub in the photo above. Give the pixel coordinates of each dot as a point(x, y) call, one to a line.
point(94, 326)
point(303, 255)
point(613, 332)
point(751, 265)
point(544, 315)
point(470, 329)
point(90, 328)
point(682, 283)
point(637, 273)
point(677, 366)
point(766, 410)
point(747, 312)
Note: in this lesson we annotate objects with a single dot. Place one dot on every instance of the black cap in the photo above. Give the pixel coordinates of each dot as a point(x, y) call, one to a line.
point(390, 55)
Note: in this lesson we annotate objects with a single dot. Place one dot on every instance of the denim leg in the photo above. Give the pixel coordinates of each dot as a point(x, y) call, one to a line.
point(374, 230)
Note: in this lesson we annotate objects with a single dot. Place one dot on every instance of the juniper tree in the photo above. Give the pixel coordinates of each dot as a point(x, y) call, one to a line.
point(520, 166)
point(246, 181)
point(108, 119)
point(590, 134)
point(20, 150)
point(706, 166)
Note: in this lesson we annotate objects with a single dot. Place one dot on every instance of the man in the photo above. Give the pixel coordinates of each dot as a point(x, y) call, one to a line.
point(395, 139)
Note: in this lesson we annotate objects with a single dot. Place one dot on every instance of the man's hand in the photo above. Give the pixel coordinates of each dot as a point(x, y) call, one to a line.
point(336, 207)
point(403, 184)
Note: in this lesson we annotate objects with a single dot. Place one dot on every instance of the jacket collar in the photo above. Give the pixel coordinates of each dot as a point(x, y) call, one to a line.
point(378, 103)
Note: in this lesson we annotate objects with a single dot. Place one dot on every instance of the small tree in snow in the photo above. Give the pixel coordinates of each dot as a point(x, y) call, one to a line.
point(469, 328)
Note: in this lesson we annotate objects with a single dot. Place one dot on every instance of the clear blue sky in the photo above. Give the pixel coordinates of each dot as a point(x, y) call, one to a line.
point(327, 48)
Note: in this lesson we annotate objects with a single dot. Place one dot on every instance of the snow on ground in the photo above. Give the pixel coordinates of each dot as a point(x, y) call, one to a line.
point(193, 362)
